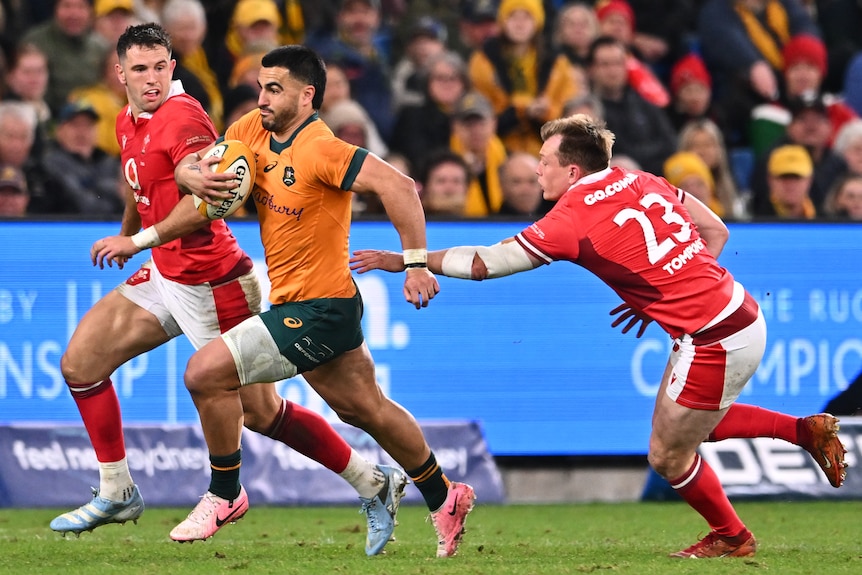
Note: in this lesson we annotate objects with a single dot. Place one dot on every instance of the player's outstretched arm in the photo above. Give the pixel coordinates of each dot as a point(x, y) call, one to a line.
point(464, 262)
point(397, 193)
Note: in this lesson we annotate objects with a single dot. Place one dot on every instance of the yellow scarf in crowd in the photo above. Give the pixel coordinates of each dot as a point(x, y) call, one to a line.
point(293, 32)
point(198, 65)
point(495, 155)
point(776, 20)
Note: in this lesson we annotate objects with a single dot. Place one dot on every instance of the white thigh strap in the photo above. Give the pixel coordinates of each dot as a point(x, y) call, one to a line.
point(255, 353)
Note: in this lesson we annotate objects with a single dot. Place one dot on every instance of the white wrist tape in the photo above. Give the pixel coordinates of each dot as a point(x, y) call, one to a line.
point(147, 238)
point(415, 258)
point(501, 259)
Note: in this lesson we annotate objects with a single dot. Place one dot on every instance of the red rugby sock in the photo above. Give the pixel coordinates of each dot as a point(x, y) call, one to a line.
point(702, 490)
point(743, 420)
point(311, 435)
point(100, 411)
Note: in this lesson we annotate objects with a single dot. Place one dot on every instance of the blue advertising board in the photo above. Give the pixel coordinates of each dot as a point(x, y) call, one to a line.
point(531, 357)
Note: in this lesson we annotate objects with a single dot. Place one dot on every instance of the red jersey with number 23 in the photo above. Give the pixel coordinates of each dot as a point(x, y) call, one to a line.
point(631, 230)
point(151, 147)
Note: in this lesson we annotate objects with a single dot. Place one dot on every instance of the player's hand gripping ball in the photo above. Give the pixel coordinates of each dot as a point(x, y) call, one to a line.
point(238, 159)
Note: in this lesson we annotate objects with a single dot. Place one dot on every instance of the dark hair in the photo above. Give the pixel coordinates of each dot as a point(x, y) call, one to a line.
point(601, 42)
point(304, 64)
point(438, 158)
point(147, 35)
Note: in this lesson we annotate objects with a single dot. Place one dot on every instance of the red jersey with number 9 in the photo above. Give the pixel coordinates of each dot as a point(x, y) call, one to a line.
point(631, 230)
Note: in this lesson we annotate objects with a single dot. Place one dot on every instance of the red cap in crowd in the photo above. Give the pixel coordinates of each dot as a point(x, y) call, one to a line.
point(603, 9)
point(805, 48)
point(689, 68)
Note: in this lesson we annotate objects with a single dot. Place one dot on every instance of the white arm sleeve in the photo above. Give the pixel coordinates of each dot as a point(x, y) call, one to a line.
point(501, 259)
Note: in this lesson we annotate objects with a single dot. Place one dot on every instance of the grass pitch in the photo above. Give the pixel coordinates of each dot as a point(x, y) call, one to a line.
point(624, 538)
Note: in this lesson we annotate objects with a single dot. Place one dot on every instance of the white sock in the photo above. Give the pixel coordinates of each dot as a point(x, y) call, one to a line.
point(115, 480)
point(363, 475)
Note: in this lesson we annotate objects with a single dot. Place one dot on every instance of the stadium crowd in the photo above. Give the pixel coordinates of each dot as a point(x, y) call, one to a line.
point(751, 105)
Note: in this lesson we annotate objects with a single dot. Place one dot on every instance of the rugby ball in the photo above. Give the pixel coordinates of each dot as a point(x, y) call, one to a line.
point(238, 159)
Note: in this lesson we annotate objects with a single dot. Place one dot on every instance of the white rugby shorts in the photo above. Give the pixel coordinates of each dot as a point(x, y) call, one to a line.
point(202, 312)
point(710, 368)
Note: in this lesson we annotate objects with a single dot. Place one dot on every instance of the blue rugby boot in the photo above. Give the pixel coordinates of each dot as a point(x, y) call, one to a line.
point(382, 508)
point(98, 512)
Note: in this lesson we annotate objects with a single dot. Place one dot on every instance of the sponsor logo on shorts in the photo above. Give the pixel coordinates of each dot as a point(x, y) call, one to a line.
point(292, 322)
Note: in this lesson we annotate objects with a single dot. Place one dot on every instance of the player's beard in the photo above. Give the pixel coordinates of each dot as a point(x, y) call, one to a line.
point(282, 120)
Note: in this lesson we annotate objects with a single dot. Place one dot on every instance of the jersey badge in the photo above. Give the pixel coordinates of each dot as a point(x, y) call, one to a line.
point(289, 177)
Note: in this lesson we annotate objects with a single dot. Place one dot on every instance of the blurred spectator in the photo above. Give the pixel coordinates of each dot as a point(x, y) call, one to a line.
point(108, 98)
point(665, 30)
point(477, 25)
point(338, 91)
point(297, 15)
point(691, 93)
point(643, 130)
point(704, 138)
point(18, 123)
point(811, 128)
point(112, 17)
point(686, 170)
point(253, 29)
point(790, 171)
point(74, 50)
point(27, 81)
point(588, 104)
point(526, 84)
point(238, 102)
point(350, 121)
point(246, 69)
point(575, 28)
point(14, 196)
point(337, 86)
point(428, 125)
point(625, 162)
point(474, 138)
point(844, 200)
point(742, 42)
point(14, 21)
point(427, 39)
point(839, 22)
point(848, 145)
point(853, 84)
point(444, 180)
point(88, 177)
point(617, 20)
point(399, 162)
point(185, 21)
point(151, 10)
point(522, 194)
point(805, 62)
point(357, 48)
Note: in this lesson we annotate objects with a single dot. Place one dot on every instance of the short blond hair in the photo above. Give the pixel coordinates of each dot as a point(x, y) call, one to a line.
point(586, 142)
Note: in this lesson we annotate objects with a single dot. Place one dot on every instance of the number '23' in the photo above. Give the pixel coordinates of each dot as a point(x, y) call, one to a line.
point(655, 250)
